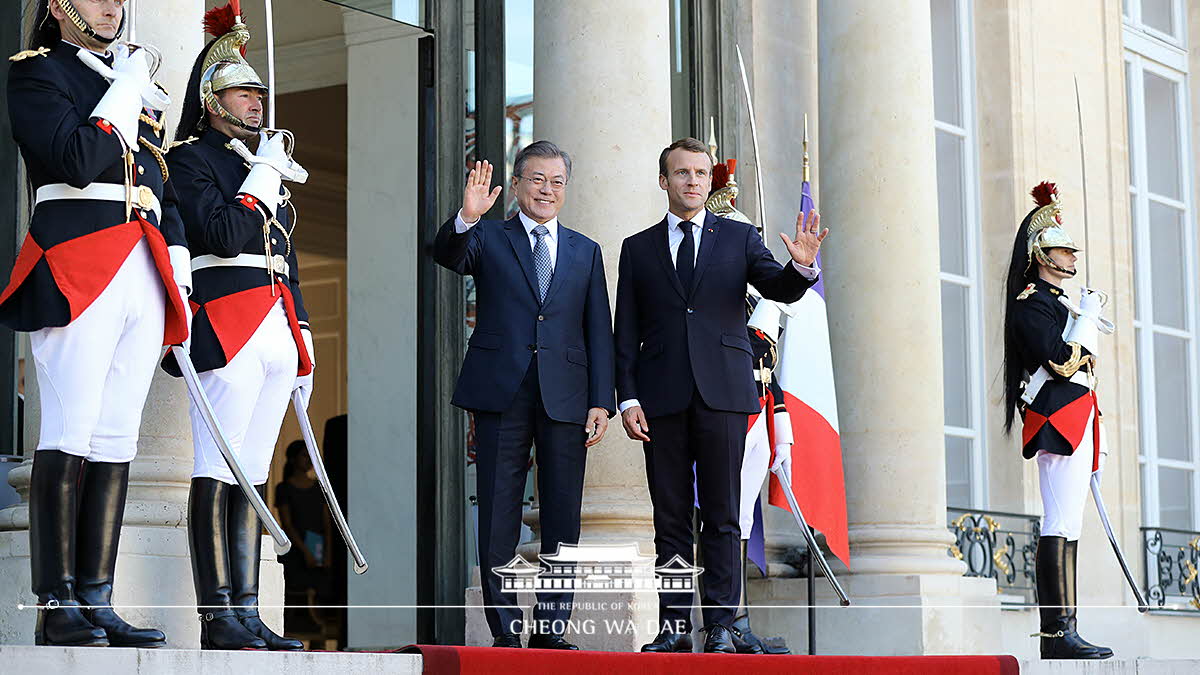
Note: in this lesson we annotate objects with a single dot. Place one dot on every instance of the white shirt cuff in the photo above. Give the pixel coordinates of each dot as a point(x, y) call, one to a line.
point(460, 225)
point(626, 405)
point(806, 271)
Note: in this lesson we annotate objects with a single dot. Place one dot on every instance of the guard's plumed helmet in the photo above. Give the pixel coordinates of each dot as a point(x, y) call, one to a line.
point(1045, 227)
point(224, 65)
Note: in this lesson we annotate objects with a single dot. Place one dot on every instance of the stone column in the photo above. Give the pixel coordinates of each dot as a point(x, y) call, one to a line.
point(879, 198)
point(153, 566)
point(609, 107)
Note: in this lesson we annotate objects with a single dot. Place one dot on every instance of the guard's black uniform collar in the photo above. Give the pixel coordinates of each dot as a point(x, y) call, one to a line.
point(1046, 286)
point(71, 48)
point(216, 139)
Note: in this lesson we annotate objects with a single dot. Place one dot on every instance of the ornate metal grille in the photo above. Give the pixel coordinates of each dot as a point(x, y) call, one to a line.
point(998, 545)
point(1172, 569)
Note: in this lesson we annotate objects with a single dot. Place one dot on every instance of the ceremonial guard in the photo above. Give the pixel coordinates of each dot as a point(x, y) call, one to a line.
point(95, 287)
point(769, 438)
point(251, 342)
point(1049, 355)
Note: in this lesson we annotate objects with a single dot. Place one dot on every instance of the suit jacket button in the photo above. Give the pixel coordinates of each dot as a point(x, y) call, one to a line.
point(541, 318)
point(691, 311)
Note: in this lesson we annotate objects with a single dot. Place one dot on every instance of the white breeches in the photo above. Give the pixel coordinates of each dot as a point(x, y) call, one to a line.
point(94, 373)
point(1065, 483)
point(755, 463)
point(250, 396)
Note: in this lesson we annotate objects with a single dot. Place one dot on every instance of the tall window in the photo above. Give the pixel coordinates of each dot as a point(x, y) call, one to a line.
point(958, 227)
point(1164, 236)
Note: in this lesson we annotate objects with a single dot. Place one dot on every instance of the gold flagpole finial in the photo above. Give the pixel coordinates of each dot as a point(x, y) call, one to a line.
point(805, 177)
point(712, 138)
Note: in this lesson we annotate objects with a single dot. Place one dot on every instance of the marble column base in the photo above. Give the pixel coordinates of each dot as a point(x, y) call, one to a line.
point(890, 614)
point(153, 568)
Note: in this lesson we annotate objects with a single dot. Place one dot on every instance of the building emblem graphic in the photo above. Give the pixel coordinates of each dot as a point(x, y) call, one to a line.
point(594, 569)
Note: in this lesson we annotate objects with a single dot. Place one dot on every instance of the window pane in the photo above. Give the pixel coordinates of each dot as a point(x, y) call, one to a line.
point(946, 59)
point(1168, 255)
point(958, 472)
point(956, 376)
point(1162, 135)
point(1157, 15)
point(1175, 498)
point(1172, 391)
point(952, 213)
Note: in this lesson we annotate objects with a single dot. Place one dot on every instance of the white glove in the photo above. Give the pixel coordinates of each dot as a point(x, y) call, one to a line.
point(181, 268)
point(264, 184)
point(1085, 332)
point(1090, 303)
point(273, 153)
point(783, 458)
point(122, 103)
point(304, 383)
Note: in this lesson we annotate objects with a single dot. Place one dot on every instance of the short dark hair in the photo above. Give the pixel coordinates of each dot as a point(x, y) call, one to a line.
point(544, 149)
point(689, 144)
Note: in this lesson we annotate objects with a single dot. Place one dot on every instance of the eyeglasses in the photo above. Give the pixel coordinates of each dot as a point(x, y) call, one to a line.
point(538, 181)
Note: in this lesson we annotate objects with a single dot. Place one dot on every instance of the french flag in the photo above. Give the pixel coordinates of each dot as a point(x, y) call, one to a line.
point(805, 373)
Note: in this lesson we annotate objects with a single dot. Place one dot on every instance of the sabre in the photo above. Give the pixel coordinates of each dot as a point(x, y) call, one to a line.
point(270, 64)
point(196, 391)
point(758, 179)
point(314, 455)
point(814, 552)
point(1087, 270)
point(1112, 539)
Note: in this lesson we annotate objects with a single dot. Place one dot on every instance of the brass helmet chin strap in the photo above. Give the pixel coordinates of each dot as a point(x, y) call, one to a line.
point(68, 8)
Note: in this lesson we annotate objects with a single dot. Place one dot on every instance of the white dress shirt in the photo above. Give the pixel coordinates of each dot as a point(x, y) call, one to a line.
point(461, 226)
point(675, 234)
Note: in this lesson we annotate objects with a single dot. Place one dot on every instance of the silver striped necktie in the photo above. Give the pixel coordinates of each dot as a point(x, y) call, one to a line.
point(541, 261)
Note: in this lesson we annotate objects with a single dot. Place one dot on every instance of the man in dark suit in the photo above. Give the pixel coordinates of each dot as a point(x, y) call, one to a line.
point(539, 369)
point(684, 375)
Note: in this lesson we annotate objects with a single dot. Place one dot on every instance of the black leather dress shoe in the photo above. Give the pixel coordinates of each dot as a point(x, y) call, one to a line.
point(539, 641)
point(670, 642)
point(507, 640)
point(719, 640)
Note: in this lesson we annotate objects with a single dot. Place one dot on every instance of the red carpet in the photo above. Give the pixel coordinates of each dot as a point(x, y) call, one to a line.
point(439, 660)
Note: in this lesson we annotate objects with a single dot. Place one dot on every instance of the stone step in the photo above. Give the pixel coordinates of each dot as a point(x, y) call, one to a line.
point(93, 660)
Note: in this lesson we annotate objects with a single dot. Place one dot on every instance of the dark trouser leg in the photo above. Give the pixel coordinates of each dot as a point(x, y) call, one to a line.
point(718, 439)
point(502, 464)
point(53, 504)
point(245, 556)
point(669, 476)
point(208, 540)
point(561, 458)
point(101, 512)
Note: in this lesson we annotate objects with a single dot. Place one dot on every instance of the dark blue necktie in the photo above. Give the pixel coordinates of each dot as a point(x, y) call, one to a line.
point(685, 259)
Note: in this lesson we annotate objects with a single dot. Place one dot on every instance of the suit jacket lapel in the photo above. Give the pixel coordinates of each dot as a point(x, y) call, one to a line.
point(562, 263)
point(663, 248)
point(708, 240)
point(519, 239)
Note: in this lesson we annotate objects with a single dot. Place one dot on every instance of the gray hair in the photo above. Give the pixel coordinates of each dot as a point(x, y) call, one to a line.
point(544, 149)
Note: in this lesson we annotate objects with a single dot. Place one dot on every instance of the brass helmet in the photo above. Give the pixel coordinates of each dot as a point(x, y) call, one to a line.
point(725, 190)
point(224, 66)
point(1045, 228)
point(68, 8)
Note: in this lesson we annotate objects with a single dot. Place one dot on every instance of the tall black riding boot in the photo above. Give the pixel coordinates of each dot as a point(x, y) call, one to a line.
point(1058, 639)
point(208, 541)
point(101, 511)
point(53, 504)
point(245, 555)
point(1071, 555)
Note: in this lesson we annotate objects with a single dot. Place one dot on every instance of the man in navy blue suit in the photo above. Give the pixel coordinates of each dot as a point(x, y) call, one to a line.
point(539, 369)
point(685, 379)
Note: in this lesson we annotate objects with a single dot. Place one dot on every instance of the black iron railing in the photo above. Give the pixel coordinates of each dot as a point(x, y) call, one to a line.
point(998, 545)
point(1172, 569)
